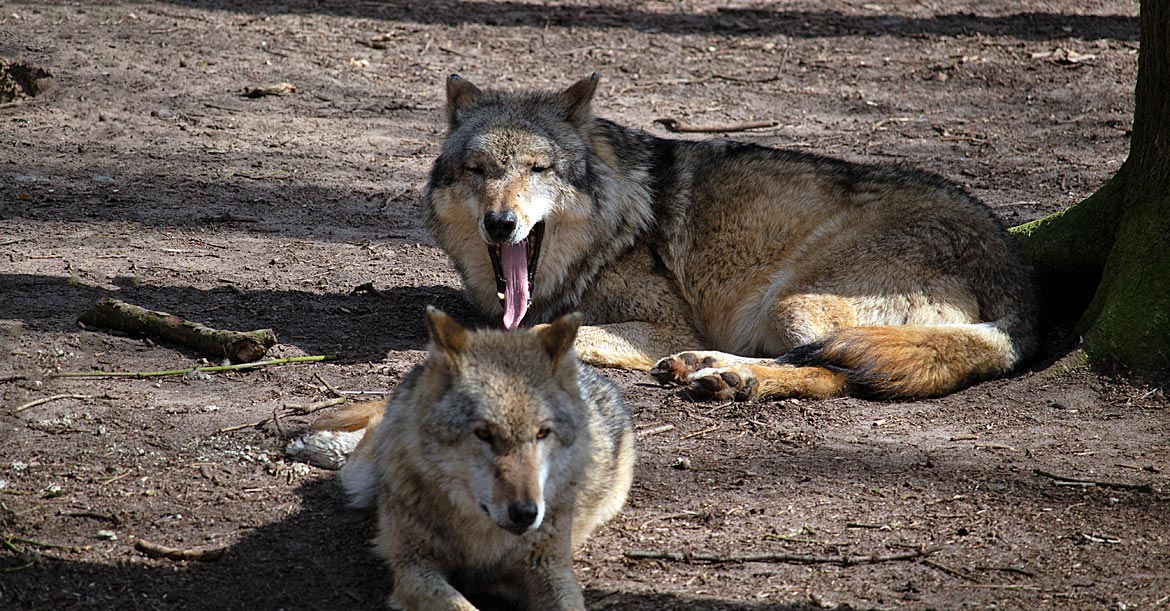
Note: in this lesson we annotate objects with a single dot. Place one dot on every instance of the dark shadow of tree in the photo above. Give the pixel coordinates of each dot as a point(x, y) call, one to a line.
point(733, 21)
point(354, 327)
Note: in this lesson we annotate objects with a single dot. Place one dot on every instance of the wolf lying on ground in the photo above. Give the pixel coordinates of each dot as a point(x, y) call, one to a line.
point(493, 461)
point(735, 269)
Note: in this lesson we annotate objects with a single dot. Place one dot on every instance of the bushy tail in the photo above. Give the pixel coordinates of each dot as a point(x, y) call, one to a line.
point(333, 438)
point(353, 417)
point(913, 361)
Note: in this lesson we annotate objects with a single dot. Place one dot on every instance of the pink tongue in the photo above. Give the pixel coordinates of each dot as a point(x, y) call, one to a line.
point(514, 261)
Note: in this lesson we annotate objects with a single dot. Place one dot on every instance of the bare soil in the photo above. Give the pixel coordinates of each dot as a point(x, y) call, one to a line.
point(135, 168)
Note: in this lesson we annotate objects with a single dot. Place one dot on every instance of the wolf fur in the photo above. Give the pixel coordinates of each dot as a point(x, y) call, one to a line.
point(737, 270)
point(494, 459)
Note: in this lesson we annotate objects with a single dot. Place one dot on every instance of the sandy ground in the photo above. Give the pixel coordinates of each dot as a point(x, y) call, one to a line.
point(139, 171)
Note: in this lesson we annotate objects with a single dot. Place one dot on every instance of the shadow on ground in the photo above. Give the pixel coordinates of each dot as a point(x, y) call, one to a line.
point(353, 327)
point(315, 559)
point(750, 22)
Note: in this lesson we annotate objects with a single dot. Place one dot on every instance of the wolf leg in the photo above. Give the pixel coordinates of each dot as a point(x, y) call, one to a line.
point(423, 588)
point(631, 345)
point(765, 379)
point(554, 587)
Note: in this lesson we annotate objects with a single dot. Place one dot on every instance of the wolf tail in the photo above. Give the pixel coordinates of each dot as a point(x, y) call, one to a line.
point(334, 439)
point(918, 360)
point(353, 417)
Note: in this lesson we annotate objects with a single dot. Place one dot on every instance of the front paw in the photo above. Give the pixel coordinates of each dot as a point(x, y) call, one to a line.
point(676, 369)
point(720, 384)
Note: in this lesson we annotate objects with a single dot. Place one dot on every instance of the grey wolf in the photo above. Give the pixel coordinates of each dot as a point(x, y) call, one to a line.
point(493, 460)
point(736, 270)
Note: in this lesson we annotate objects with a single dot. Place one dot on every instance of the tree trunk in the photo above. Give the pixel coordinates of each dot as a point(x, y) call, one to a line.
point(1119, 237)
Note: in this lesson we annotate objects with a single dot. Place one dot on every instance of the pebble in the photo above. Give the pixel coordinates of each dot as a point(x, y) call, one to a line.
point(108, 535)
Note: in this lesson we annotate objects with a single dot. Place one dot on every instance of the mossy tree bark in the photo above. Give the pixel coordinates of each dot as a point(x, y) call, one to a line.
point(1119, 238)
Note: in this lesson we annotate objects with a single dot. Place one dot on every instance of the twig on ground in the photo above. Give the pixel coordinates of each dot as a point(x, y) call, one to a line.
point(778, 558)
point(949, 571)
point(240, 346)
point(697, 433)
point(1006, 569)
point(179, 372)
point(44, 400)
point(332, 391)
point(42, 544)
point(113, 519)
point(316, 406)
point(678, 127)
point(246, 425)
point(276, 421)
point(1065, 480)
point(154, 550)
point(654, 430)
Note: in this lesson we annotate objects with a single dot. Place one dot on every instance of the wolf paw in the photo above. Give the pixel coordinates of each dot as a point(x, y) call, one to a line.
point(676, 370)
point(715, 383)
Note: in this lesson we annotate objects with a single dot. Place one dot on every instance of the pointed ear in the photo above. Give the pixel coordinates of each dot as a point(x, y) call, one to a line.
point(557, 338)
point(578, 96)
point(448, 338)
point(461, 95)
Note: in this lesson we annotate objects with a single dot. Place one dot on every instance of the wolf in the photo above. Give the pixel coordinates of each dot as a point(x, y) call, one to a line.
point(735, 270)
point(492, 462)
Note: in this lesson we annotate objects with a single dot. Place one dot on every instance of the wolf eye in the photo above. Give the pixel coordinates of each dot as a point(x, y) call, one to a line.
point(483, 433)
point(540, 169)
point(543, 432)
point(474, 169)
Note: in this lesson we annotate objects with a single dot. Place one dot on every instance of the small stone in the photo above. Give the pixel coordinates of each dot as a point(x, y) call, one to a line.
point(162, 113)
point(107, 535)
point(681, 463)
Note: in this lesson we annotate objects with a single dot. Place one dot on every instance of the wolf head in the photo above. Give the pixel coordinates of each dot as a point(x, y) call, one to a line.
point(507, 418)
point(513, 164)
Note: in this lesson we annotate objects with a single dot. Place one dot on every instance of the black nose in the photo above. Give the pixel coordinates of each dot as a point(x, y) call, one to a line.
point(499, 225)
point(522, 513)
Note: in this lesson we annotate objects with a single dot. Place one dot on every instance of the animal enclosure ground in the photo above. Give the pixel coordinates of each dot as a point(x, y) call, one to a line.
point(137, 169)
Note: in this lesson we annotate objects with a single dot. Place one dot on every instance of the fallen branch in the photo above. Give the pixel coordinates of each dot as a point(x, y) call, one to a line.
point(45, 400)
point(1064, 480)
point(179, 372)
point(317, 406)
point(778, 558)
point(678, 127)
point(154, 550)
point(239, 346)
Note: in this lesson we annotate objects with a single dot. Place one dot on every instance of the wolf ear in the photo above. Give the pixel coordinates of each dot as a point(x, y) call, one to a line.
point(461, 95)
point(448, 338)
point(557, 338)
point(578, 96)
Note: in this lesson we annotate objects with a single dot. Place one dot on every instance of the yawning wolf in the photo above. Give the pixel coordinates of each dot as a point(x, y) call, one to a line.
point(735, 269)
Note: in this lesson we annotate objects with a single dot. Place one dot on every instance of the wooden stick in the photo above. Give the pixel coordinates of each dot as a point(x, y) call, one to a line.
point(239, 346)
point(1092, 482)
point(317, 406)
point(154, 550)
point(678, 127)
point(778, 558)
point(179, 372)
point(44, 400)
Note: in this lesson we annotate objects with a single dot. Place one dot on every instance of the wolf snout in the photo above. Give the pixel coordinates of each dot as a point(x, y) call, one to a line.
point(499, 226)
point(521, 516)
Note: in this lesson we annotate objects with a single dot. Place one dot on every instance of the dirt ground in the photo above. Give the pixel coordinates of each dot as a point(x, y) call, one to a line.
point(136, 169)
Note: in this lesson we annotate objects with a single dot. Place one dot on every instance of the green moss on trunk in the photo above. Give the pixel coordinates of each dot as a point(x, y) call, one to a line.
point(1072, 245)
point(1128, 321)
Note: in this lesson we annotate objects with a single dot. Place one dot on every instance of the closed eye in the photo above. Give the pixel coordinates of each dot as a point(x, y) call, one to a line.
point(540, 169)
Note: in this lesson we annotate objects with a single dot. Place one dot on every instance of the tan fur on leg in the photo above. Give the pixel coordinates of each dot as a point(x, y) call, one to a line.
point(630, 345)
